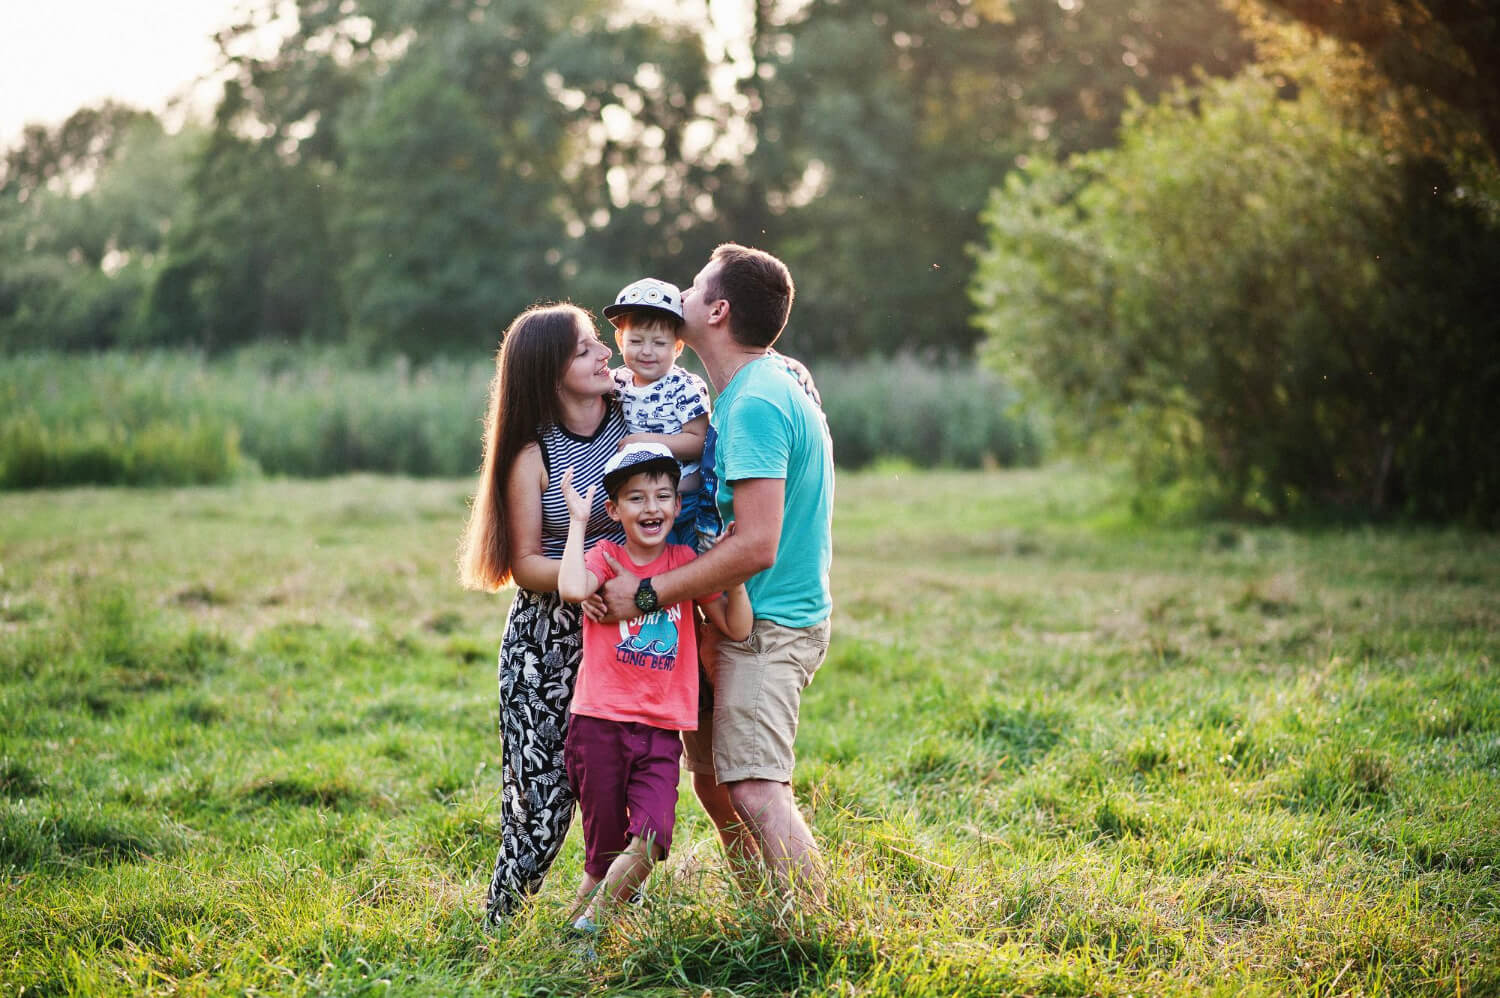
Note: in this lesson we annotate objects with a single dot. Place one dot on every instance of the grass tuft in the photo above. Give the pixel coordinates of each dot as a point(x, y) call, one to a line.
point(1017, 732)
point(49, 835)
point(18, 780)
point(305, 791)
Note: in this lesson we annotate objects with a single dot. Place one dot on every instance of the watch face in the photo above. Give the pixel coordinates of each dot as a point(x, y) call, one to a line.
point(645, 597)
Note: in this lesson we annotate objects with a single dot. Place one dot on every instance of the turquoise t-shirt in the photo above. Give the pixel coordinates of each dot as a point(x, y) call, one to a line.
point(766, 426)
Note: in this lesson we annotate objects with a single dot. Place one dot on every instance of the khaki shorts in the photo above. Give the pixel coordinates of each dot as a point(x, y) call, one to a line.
point(757, 695)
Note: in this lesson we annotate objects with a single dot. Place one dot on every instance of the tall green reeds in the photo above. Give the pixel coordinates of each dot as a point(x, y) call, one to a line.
point(178, 418)
point(932, 415)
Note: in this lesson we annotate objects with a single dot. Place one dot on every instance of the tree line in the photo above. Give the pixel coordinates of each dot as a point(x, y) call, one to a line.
point(1249, 243)
point(408, 175)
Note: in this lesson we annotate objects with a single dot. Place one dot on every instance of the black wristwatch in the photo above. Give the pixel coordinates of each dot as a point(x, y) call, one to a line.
point(645, 598)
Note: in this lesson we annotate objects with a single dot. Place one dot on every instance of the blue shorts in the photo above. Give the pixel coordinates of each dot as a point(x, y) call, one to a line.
point(697, 523)
point(685, 527)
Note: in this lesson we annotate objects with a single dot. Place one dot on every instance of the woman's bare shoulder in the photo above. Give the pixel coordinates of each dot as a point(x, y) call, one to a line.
point(529, 466)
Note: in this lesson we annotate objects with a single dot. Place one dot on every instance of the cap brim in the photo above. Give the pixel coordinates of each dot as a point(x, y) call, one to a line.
point(663, 465)
point(613, 311)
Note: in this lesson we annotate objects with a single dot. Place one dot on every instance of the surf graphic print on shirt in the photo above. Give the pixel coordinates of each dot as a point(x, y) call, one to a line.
point(653, 645)
point(643, 670)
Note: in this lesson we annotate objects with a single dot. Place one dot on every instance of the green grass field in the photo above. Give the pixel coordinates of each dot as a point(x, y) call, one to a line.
point(248, 745)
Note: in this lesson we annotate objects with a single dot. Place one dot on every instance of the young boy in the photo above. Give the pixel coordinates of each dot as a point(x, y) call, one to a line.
point(638, 685)
point(663, 403)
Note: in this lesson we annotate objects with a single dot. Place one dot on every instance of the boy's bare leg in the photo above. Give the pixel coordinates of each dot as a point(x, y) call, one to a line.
point(785, 842)
point(586, 891)
point(739, 844)
point(624, 875)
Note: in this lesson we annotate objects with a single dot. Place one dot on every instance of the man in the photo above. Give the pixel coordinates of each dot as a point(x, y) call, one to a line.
point(773, 460)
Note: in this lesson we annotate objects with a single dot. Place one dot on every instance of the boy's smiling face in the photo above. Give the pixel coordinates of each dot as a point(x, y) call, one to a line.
point(646, 507)
point(649, 350)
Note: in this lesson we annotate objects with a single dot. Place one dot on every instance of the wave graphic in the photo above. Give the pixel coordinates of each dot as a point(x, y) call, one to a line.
point(650, 647)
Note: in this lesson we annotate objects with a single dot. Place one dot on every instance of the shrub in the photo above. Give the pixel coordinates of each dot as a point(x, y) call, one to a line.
point(1258, 306)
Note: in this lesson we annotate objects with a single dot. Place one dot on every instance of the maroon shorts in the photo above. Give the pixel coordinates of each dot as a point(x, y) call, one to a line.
point(624, 775)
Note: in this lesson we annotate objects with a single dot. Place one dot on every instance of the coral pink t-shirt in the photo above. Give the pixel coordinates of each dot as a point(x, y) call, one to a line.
point(646, 669)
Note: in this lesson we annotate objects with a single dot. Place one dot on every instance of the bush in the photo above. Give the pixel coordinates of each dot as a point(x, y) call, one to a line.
point(1260, 307)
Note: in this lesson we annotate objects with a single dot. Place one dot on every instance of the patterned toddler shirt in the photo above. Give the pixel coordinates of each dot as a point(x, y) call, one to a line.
point(664, 406)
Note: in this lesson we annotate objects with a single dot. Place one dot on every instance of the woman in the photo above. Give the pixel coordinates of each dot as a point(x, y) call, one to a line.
point(551, 408)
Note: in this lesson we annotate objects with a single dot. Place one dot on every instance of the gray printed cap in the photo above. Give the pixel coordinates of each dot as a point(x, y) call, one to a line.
point(632, 459)
point(647, 295)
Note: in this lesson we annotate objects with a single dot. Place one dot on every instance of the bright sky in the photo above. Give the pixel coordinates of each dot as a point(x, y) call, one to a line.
point(59, 55)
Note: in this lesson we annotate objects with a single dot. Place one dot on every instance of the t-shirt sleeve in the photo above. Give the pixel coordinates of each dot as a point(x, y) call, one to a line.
point(692, 397)
point(593, 560)
point(767, 429)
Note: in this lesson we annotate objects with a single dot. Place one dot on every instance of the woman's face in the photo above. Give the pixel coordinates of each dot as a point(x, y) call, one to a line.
point(587, 374)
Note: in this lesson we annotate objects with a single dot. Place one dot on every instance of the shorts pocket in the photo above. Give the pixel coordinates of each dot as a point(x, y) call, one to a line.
point(753, 642)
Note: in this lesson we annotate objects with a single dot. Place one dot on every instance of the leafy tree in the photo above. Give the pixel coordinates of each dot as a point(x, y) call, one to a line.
point(881, 127)
point(83, 218)
point(253, 259)
point(436, 253)
point(1445, 50)
point(68, 156)
point(1260, 305)
point(510, 154)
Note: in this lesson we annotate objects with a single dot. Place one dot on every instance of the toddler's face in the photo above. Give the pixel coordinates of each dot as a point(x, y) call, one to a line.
point(649, 351)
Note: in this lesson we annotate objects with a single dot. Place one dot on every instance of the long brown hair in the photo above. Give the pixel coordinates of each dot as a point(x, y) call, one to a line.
point(529, 366)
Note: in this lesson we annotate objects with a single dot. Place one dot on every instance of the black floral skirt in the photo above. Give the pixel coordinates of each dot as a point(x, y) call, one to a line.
point(539, 659)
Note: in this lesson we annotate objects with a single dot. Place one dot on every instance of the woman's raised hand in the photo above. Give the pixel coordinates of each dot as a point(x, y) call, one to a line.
point(580, 507)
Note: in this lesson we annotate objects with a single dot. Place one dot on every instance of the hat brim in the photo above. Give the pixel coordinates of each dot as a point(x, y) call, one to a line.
point(656, 465)
point(612, 312)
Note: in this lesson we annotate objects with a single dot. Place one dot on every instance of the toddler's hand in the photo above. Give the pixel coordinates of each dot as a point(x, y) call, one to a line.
point(580, 507)
point(713, 542)
point(594, 608)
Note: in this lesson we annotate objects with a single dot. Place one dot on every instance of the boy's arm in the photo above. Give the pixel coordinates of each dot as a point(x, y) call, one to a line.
point(575, 582)
point(732, 613)
point(685, 445)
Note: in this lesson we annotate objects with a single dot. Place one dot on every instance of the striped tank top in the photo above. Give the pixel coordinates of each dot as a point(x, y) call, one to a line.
point(587, 456)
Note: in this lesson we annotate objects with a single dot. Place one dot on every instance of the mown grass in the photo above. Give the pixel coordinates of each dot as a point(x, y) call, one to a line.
point(249, 746)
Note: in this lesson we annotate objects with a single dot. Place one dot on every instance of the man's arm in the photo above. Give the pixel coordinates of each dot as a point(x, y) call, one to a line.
point(758, 507)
